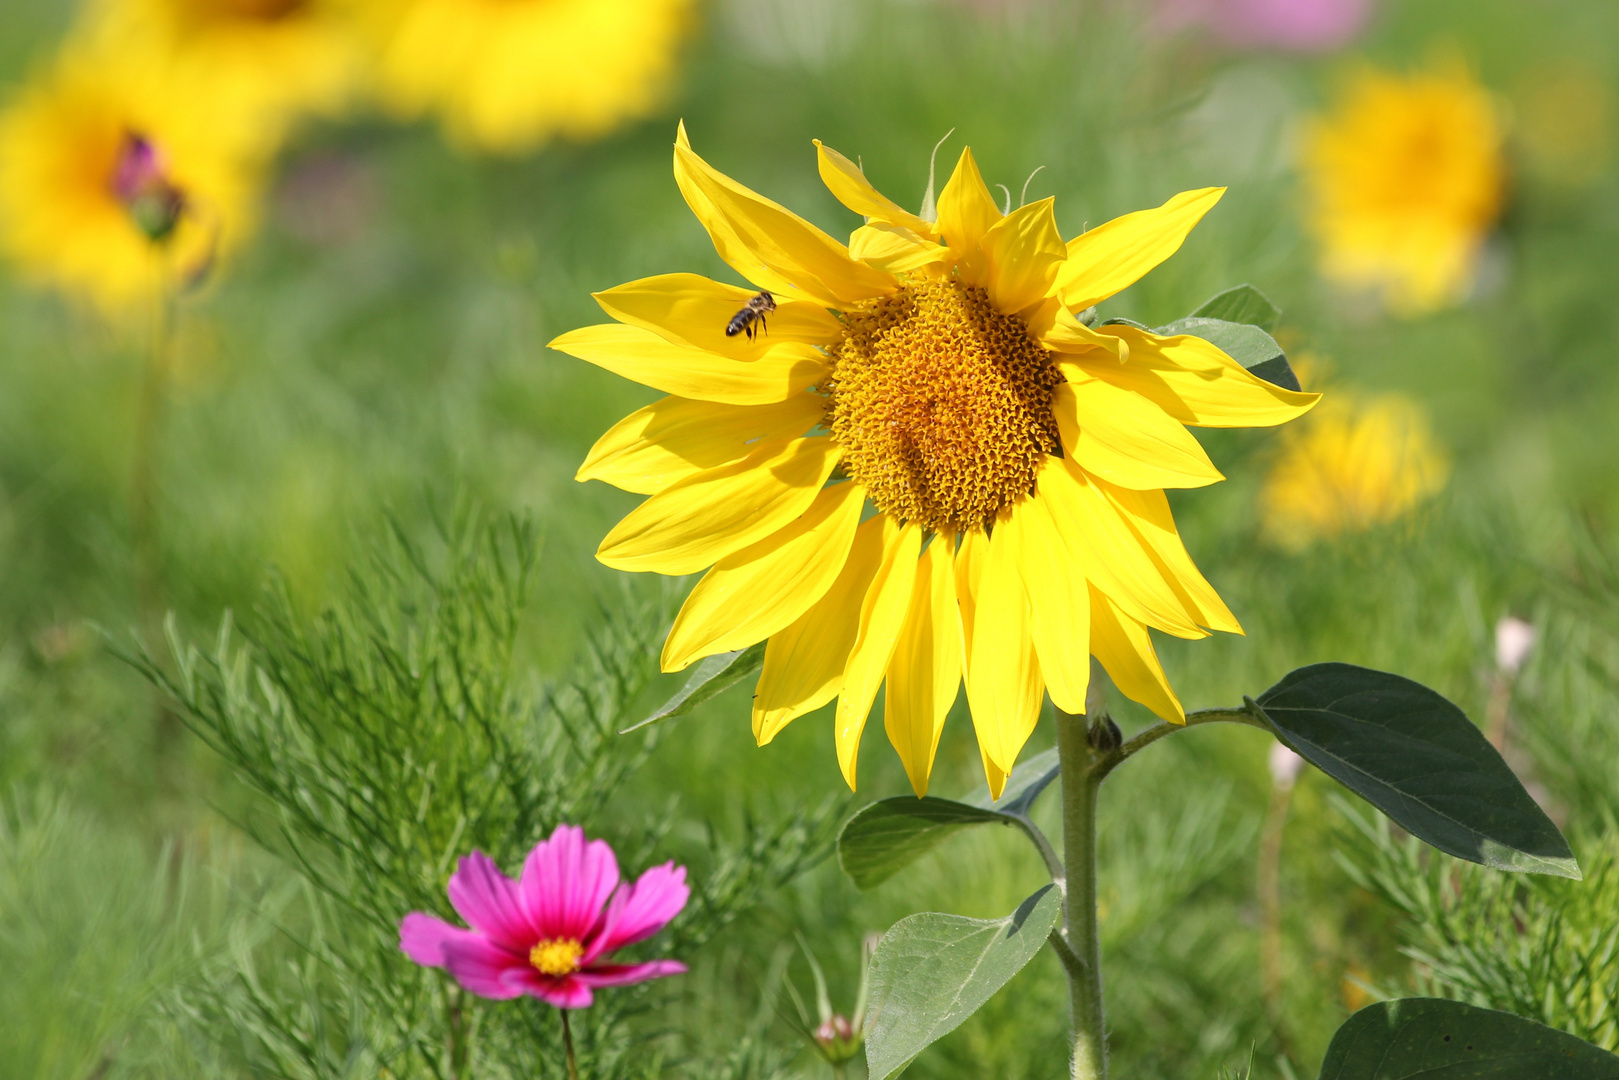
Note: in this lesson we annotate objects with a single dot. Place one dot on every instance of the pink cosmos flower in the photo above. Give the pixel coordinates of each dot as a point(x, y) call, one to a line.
point(549, 933)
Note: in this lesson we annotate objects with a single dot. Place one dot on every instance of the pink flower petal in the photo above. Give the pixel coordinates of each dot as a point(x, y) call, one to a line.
point(488, 900)
point(625, 974)
point(568, 992)
point(638, 911)
point(422, 938)
point(565, 883)
point(481, 967)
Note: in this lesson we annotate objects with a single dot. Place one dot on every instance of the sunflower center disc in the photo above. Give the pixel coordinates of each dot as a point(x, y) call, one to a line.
point(942, 405)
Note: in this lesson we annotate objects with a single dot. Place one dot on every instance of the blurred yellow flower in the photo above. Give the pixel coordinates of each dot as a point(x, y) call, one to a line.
point(936, 369)
point(258, 63)
point(1352, 465)
point(114, 185)
point(1405, 179)
point(506, 75)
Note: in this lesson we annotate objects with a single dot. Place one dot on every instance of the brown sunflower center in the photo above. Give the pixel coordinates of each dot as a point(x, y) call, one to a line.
point(942, 405)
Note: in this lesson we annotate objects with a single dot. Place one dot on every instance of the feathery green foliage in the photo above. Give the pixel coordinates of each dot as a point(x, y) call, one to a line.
point(393, 734)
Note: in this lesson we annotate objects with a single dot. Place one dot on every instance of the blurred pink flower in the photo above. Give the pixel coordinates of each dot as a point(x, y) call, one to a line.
point(1297, 25)
point(548, 934)
point(1514, 638)
point(1285, 766)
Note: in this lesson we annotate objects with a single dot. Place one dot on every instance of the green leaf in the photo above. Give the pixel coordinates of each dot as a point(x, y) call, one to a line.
point(887, 836)
point(710, 678)
point(1420, 760)
point(1447, 1040)
point(931, 972)
point(1028, 780)
point(1247, 345)
point(1243, 304)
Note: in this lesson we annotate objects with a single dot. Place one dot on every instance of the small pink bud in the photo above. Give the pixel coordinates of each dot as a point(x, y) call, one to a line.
point(140, 181)
point(1513, 640)
point(837, 1029)
point(1284, 767)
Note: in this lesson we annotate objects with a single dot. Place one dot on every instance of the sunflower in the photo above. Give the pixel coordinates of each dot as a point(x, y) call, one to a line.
point(506, 75)
point(1405, 179)
point(258, 63)
point(1353, 465)
point(937, 371)
point(116, 186)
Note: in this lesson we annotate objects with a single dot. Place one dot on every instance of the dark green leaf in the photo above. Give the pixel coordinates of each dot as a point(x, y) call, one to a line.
point(888, 836)
point(1028, 780)
point(1126, 322)
point(1247, 345)
point(1416, 757)
point(1447, 1040)
point(710, 678)
point(1243, 304)
point(931, 972)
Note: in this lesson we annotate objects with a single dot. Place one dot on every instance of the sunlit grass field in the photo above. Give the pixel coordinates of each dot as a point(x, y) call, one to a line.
point(377, 355)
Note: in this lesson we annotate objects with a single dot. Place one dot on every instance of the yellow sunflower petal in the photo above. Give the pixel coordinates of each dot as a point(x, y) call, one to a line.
point(924, 674)
point(1114, 256)
point(882, 615)
point(768, 244)
point(1148, 515)
point(966, 212)
point(993, 776)
point(845, 180)
point(804, 663)
point(675, 437)
point(646, 358)
point(711, 514)
point(1103, 546)
point(1125, 649)
point(1059, 601)
point(1023, 251)
point(1004, 685)
point(894, 249)
point(1067, 334)
point(689, 309)
point(1195, 382)
point(767, 585)
point(1125, 438)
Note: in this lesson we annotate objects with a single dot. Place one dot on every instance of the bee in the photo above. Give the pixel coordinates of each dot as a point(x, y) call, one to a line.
point(754, 311)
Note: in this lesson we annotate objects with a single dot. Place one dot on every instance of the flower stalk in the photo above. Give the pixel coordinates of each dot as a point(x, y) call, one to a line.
point(567, 1045)
point(1082, 959)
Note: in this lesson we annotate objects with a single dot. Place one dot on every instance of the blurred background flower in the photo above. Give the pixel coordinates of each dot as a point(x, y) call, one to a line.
point(507, 75)
point(115, 185)
point(1350, 466)
point(1298, 25)
point(1405, 179)
point(260, 64)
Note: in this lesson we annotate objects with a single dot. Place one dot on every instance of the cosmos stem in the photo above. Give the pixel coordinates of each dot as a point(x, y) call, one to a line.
point(567, 1045)
point(1083, 964)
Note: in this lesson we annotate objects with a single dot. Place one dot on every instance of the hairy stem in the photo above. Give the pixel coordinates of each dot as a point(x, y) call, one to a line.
point(1083, 959)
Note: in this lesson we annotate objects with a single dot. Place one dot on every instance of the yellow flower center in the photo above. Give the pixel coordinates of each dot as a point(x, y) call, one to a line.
point(556, 956)
point(942, 405)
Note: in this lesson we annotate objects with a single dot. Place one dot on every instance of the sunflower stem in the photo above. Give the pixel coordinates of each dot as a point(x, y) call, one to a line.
point(1083, 962)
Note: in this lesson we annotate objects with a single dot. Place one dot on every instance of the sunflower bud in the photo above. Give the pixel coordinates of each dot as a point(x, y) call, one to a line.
point(1104, 735)
point(141, 183)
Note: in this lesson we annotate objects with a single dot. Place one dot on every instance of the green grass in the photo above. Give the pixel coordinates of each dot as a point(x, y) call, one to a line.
point(398, 363)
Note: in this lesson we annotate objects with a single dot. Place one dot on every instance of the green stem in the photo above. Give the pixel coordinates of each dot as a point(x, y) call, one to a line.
point(567, 1043)
point(1083, 961)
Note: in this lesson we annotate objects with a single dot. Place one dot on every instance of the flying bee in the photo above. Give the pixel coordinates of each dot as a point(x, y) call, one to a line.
point(754, 311)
